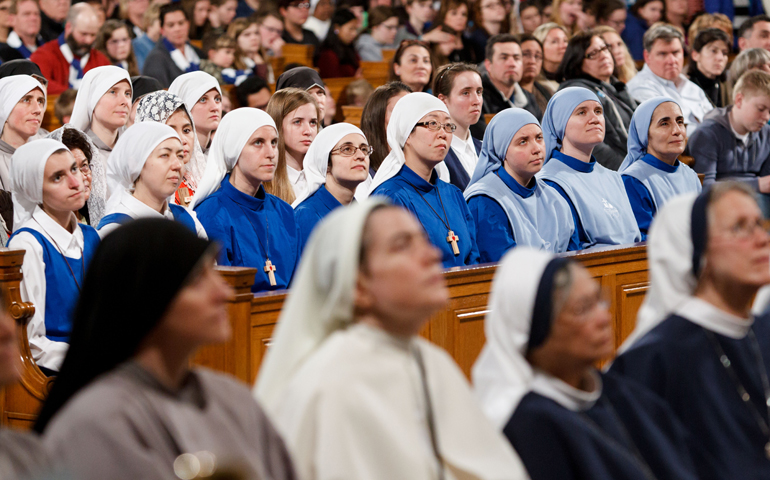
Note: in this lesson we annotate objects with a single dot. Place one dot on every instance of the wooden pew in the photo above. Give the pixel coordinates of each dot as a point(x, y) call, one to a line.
point(459, 328)
point(50, 122)
point(488, 117)
point(302, 54)
point(376, 73)
point(388, 55)
point(353, 114)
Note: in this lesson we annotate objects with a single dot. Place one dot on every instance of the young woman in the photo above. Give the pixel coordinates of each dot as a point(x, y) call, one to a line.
point(22, 106)
point(536, 377)
point(532, 67)
point(249, 53)
point(588, 63)
point(612, 14)
point(114, 41)
point(510, 205)
point(101, 111)
point(335, 165)
point(198, 15)
point(413, 65)
point(677, 14)
point(254, 228)
point(337, 56)
point(651, 172)
point(643, 14)
point(297, 116)
point(307, 79)
point(625, 67)
point(710, 52)
point(202, 96)
point(526, 17)
point(84, 151)
point(347, 367)
point(554, 39)
point(573, 125)
point(568, 14)
point(128, 385)
point(271, 31)
point(489, 18)
point(164, 107)
point(221, 14)
point(375, 118)
point(458, 85)
point(419, 132)
point(48, 186)
point(383, 26)
point(453, 18)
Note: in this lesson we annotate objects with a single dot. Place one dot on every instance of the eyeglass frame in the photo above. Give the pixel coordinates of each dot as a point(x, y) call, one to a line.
point(356, 148)
point(593, 55)
point(441, 126)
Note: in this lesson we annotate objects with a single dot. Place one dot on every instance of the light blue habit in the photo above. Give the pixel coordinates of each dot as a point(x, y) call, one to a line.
point(508, 214)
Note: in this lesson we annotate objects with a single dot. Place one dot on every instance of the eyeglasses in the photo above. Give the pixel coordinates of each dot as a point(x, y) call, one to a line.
point(305, 6)
point(348, 150)
point(582, 310)
point(85, 169)
point(532, 56)
point(596, 53)
point(435, 126)
point(745, 230)
point(277, 31)
point(490, 6)
point(118, 41)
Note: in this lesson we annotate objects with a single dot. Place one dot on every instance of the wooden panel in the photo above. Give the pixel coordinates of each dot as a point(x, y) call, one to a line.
point(376, 73)
point(388, 55)
point(488, 117)
point(302, 54)
point(50, 122)
point(353, 114)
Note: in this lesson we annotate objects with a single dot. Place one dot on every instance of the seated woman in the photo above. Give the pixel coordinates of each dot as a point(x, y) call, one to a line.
point(83, 150)
point(336, 164)
point(254, 228)
point(510, 205)
point(625, 67)
point(375, 118)
point(337, 56)
point(413, 65)
point(48, 186)
point(353, 388)
point(144, 171)
point(452, 18)
point(306, 79)
point(489, 19)
point(536, 378)
point(164, 107)
point(22, 106)
point(710, 54)
point(418, 134)
point(651, 172)
point(381, 34)
point(298, 118)
point(532, 67)
point(641, 16)
point(139, 407)
point(588, 63)
point(202, 96)
point(459, 87)
point(573, 125)
point(114, 41)
point(249, 54)
point(554, 39)
point(101, 111)
point(696, 343)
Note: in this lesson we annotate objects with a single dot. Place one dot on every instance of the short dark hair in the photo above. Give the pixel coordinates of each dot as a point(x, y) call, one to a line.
point(446, 74)
point(604, 8)
point(571, 65)
point(525, 4)
point(747, 26)
point(641, 4)
point(250, 86)
point(74, 138)
point(709, 35)
point(528, 37)
point(489, 50)
point(171, 8)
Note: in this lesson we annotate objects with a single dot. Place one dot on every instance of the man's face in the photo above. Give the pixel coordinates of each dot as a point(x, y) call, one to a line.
point(759, 37)
point(665, 59)
point(27, 19)
point(55, 9)
point(81, 34)
point(506, 64)
point(259, 100)
point(175, 28)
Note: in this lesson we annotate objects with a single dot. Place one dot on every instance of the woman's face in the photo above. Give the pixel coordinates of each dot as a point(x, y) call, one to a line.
point(26, 116)
point(163, 170)
point(617, 20)
point(114, 106)
point(258, 159)
point(63, 184)
point(617, 47)
point(569, 11)
point(665, 137)
point(526, 153)
point(348, 32)
point(349, 170)
point(428, 146)
point(119, 45)
point(652, 12)
point(532, 61)
point(414, 68)
point(466, 99)
point(457, 18)
point(385, 32)
point(492, 11)
point(270, 30)
point(299, 130)
point(85, 169)
point(249, 40)
point(400, 282)
point(585, 127)
point(712, 58)
point(598, 61)
point(182, 125)
point(201, 12)
point(320, 97)
point(207, 113)
point(676, 7)
point(554, 46)
point(226, 11)
point(391, 105)
point(530, 19)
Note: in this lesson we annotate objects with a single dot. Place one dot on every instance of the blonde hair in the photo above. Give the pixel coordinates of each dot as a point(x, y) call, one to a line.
point(751, 83)
point(711, 20)
point(628, 70)
point(281, 104)
point(556, 19)
point(543, 30)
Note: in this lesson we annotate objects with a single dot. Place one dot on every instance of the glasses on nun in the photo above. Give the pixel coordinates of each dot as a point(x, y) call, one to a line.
point(586, 306)
point(435, 126)
point(348, 150)
point(745, 230)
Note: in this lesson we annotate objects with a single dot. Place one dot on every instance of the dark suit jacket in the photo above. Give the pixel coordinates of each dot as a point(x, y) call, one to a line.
point(160, 66)
point(458, 176)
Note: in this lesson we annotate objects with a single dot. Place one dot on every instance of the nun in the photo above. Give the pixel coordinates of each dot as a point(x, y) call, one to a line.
point(696, 343)
point(144, 172)
point(22, 106)
point(336, 164)
point(167, 108)
point(419, 135)
point(548, 326)
point(510, 205)
point(202, 96)
point(354, 390)
point(573, 125)
point(651, 172)
point(307, 79)
point(101, 111)
point(47, 188)
point(128, 403)
point(255, 229)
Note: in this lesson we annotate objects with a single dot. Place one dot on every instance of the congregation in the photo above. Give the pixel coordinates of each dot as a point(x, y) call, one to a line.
point(506, 133)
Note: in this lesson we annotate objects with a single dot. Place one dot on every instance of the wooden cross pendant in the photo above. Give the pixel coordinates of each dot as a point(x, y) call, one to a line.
point(453, 239)
point(270, 271)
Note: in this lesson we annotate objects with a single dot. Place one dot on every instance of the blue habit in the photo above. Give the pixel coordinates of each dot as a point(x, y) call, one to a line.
point(677, 361)
point(604, 442)
point(508, 214)
point(61, 292)
point(650, 183)
point(181, 215)
point(403, 190)
point(240, 223)
point(312, 210)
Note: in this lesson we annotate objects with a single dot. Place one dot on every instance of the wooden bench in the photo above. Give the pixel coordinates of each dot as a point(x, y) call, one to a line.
point(353, 114)
point(376, 73)
point(50, 122)
point(302, 54)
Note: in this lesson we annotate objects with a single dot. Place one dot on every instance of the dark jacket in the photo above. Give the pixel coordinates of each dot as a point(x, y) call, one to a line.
point(715, 89)
point(458, 176)
point(161, 67)
point(494, 102)
point(618, 108)
point(50, 29)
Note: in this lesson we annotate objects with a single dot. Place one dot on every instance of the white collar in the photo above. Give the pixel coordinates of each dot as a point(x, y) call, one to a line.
point(467, 143)
point(564, 394)
point(708, 316)
point(295, 176)
point(142, 210)
point(60, 236)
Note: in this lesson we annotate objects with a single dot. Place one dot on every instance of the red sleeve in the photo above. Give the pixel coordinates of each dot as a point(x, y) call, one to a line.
point(53, 67)
point(97, 59)
point(329, 65)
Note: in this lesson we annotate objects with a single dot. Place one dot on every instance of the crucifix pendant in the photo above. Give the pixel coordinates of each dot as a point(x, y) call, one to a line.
point(453, 239)
point(270, 271)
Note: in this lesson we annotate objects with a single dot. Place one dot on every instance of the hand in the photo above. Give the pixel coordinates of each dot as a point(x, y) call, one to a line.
point(359, 73)
point(277, 47)
point(437, 36)
point(764, 184)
